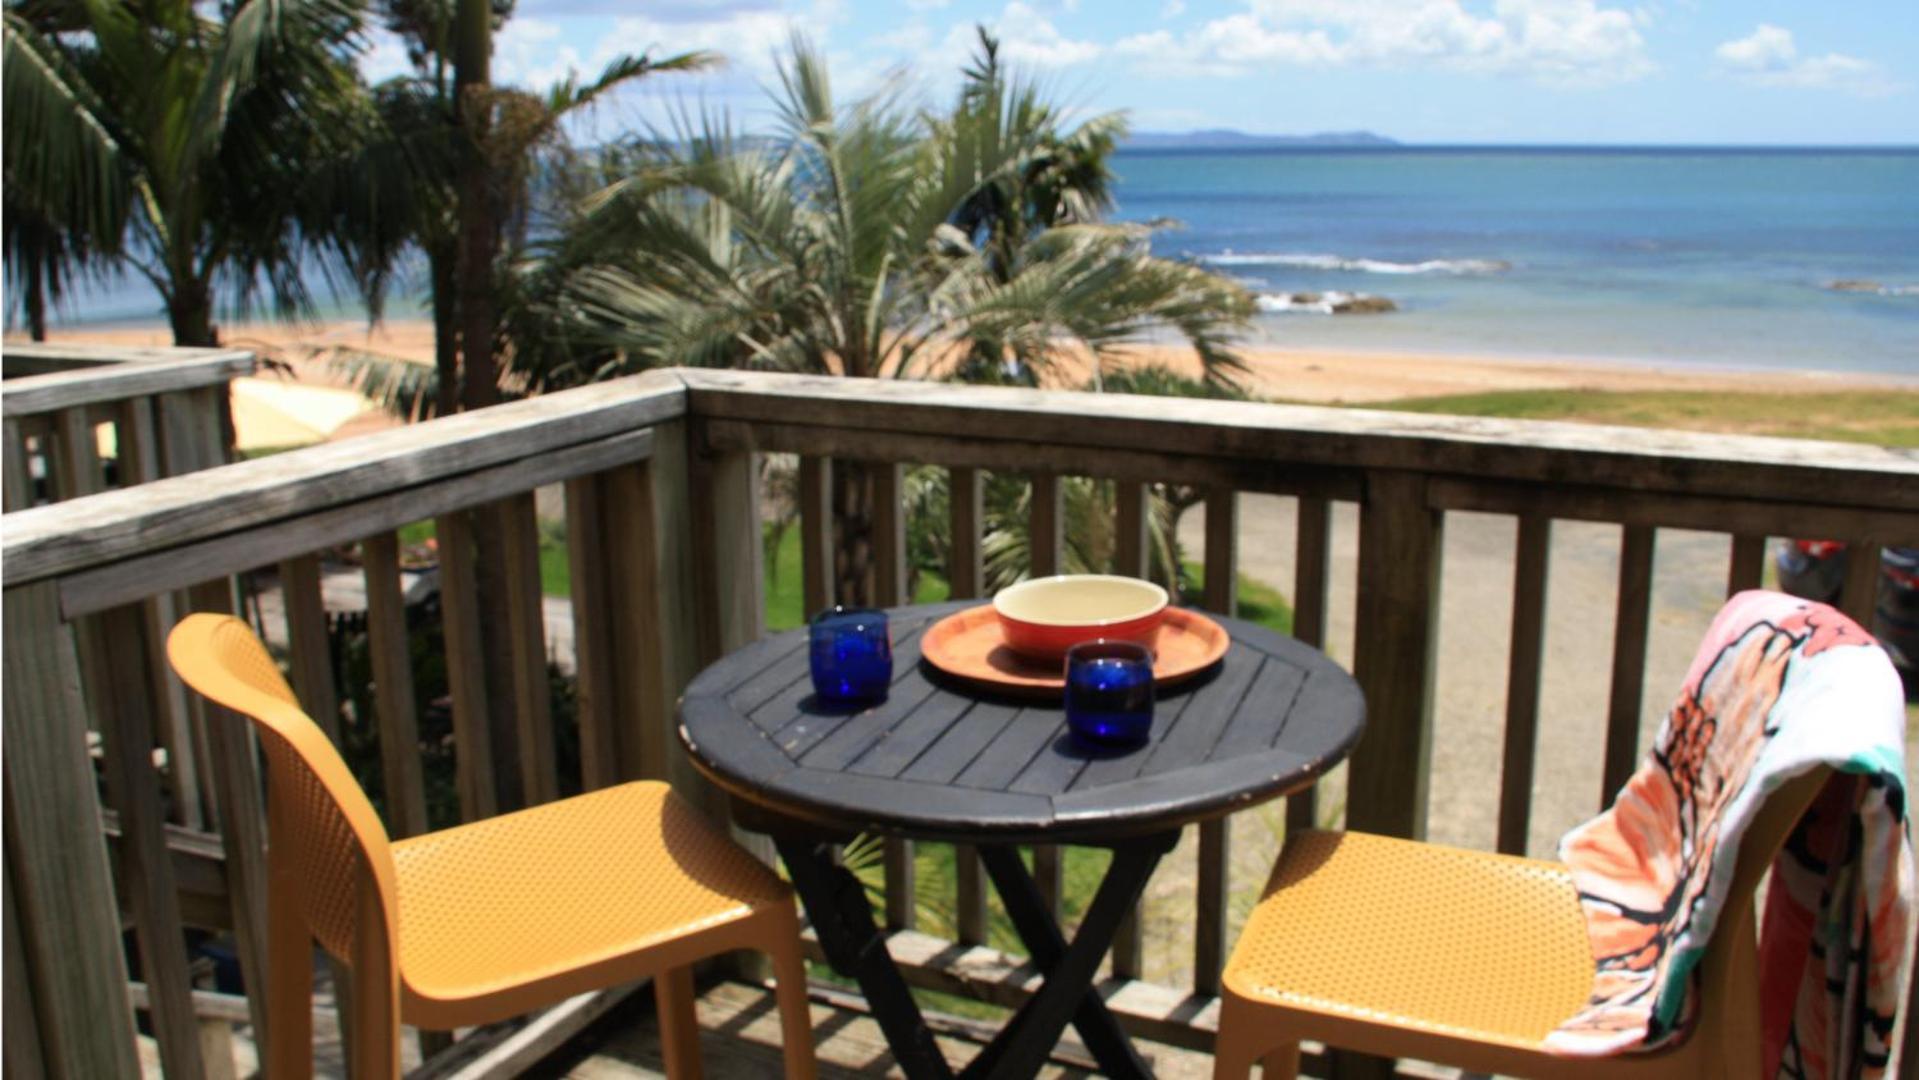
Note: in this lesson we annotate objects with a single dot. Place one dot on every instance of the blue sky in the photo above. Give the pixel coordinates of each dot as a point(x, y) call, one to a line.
point(1492, 71)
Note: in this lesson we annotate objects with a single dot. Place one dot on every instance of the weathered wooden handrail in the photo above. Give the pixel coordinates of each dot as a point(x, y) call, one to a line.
point(48, 378)
point(167, 408)
point(663, 537)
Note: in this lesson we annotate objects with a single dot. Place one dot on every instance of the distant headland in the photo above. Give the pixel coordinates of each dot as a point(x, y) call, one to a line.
point(1228, 139)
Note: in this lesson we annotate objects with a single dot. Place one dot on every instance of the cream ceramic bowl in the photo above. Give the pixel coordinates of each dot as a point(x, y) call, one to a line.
point(1044, 617)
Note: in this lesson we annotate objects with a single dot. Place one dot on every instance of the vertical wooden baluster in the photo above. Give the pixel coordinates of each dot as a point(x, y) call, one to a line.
point(816, 534)
point(312, 665)
point(1215, 836)
point(76, 456)
point(650, 545)
point(532, 693)
point(728, 563)
point(57, 876)
point(392, 656)
point(729, 555)
point(234, 764)
point(1222, 552)
point(1046, 540)
point(722, 492)
point(121, 694)
point(1532, 556)
point(17, 483)
point(1132, 540)
point(965, 573)
point(890, 581)
point(1748, 568)
point(1628, 658)
point(1400, 540)
point(312, 670)
point(473, 743)
point(1860, 593)
point(1049, 873)
point(139, 455)
point(194, 432)
point(1131, 545)
point(1399, 551)
point(1046, 544)
point(595, 705)
point(1312, 571)
point(23, 1055)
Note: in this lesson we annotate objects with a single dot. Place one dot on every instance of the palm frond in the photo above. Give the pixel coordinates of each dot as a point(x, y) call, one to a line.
point(401, 387)
point(62, 161)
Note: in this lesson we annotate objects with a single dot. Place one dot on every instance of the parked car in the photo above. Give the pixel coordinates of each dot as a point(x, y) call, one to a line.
point(1816, 569)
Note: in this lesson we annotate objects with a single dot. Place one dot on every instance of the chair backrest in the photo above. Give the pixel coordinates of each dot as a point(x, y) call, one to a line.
point(323, 832)
point(1728, 981)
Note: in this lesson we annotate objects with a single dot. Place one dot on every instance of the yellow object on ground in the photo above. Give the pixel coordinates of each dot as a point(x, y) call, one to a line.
point(1465, 958)
point(270, 413)
point(478, 923)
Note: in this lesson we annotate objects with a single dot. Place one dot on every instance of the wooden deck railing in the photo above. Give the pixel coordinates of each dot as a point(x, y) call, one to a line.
point(664, 539)
point(167, 409)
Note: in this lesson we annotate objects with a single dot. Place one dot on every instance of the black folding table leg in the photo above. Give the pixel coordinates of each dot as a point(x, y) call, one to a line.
point(841, 916)
point(1067, 992)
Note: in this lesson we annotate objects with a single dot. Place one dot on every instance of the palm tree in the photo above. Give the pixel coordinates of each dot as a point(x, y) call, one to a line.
point(206, 149)
point(869, 240)
point(525, 148)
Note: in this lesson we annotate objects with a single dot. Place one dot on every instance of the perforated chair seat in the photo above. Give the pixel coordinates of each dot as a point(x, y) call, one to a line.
point(500, 903)
point(1416, 935)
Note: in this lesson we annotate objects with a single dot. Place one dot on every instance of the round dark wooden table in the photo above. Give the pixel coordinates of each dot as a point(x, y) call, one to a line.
point(940, 759)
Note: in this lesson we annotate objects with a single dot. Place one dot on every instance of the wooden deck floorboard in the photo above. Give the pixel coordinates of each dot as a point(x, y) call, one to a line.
point(739, 1037)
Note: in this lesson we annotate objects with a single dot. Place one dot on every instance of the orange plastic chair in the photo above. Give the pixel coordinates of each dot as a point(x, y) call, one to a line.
point(1465, 958)
point(478, 923)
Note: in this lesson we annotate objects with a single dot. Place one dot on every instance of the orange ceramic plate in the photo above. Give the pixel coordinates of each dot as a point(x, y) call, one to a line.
point(969, 645)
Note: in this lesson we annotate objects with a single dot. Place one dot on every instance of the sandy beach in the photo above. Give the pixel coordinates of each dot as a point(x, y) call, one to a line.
point(1295, 374)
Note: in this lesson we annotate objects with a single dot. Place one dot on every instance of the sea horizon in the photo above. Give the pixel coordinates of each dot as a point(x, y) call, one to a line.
point(1721, 257)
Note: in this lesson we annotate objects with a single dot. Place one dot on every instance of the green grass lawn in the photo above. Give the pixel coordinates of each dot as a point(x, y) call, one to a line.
point(1889, 418)
point(785, 598)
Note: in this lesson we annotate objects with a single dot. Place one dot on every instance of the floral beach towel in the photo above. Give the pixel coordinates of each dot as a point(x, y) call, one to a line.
point(1780, 686)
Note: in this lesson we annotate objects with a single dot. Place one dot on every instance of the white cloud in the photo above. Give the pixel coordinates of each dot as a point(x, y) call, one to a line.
point(530, 52)
point(535, 52)
point(1566, 42)
point(385, 56)
point(1173, 9)
point(1768, 48)
point(1769, 57)
point(1028, 37)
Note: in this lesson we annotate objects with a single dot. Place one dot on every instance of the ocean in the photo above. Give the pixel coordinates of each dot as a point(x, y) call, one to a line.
point(1725, 258)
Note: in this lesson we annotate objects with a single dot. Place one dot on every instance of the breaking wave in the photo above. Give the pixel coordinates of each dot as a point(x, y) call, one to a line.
point(1364, 266)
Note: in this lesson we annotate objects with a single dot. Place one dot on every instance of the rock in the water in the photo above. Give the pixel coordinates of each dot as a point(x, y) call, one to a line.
point(1326, 303)
point(1361, 304)
point(1855, 285)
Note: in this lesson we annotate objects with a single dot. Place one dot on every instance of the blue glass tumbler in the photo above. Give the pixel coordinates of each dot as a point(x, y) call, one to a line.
point(851, 654)
point(1109, 692)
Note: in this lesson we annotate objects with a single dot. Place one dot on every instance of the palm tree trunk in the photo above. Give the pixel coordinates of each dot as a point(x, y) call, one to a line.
point(478, 240)
point(190, 311)
point(443, 267)
point(479, 216)
point(36, 304)
point(854, 569)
